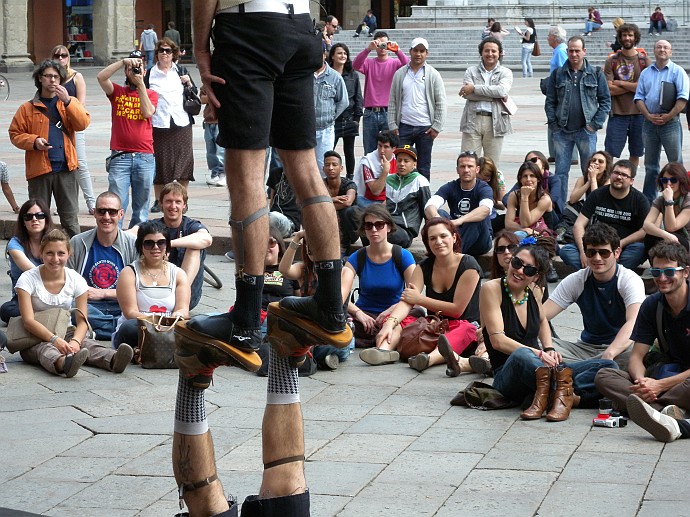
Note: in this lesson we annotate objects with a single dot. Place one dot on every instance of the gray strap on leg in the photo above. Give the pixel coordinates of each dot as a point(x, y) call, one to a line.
point(239, 226)
point(314, 200)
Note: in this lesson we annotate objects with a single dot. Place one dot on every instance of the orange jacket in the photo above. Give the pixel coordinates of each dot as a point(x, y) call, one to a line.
point(29, 123)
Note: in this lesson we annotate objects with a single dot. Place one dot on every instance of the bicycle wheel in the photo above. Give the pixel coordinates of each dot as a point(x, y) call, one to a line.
point(4, 88)
point(211, 278)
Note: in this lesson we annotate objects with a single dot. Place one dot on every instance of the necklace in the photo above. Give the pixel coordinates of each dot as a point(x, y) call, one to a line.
point(510, 295)
point(154, 278)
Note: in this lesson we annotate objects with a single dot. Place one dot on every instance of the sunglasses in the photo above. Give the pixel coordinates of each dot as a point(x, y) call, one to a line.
point(165, 50)
point(502, 249)
point(38, 215)
point(669, 272)
point(519, 264)
point(112, 212)
point(597, 160)
point(602, 252)
point(379, 225)
point(272, 242)
point(60, 56)
point(665, 181)
point(150, 243)
point(471, 154)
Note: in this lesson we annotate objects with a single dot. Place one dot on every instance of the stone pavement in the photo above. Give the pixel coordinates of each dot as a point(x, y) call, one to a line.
point(380, 441)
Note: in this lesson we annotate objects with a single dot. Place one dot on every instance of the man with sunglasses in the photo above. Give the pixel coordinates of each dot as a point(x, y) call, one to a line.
point(44, 127)
point(655, 390)
point(99, 255)
point(619, 205)
point(609, 297)
point(470, 203)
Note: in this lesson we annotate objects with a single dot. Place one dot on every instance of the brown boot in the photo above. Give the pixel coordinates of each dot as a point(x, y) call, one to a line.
point(541, 396)
point(562, 400)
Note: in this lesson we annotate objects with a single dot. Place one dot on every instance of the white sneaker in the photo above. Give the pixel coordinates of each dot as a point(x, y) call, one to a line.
point(662, 427)
point(674, 412)
point(212, 181)
point(220, 181)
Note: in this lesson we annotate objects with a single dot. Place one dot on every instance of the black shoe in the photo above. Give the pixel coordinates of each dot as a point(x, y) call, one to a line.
point(551, 274)
point(332, 321)
point(551, 159)
point(574, 162)
point(220, 327)
point(155, 208)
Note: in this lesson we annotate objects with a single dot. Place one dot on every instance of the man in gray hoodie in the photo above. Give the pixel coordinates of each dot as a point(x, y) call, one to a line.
point(147, 43)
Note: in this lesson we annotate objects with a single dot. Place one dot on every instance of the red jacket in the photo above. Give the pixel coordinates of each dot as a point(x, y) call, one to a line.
point(29, 123)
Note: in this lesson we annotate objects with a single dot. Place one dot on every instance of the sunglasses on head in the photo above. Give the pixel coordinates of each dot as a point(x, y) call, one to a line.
point(150, 243)
point(38, 215)
point(668, 272)
point(379, 225)
point(603, 252)
point(59, 56)
point(272, 242)
point(112, 212)
point(517, 264)
point(163, 50)
point(664, 180)
point(502, 249)
point(534, 159)
point(471, 154)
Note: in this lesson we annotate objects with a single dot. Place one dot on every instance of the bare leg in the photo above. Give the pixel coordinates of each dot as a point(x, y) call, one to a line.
point(283, 437)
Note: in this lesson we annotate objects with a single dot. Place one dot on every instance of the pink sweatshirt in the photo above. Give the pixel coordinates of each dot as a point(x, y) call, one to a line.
point(379, 76)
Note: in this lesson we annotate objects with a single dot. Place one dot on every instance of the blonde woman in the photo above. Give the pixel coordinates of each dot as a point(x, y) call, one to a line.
point(76, 87)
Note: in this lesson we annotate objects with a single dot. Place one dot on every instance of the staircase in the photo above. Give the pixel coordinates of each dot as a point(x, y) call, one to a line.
point(456, 49)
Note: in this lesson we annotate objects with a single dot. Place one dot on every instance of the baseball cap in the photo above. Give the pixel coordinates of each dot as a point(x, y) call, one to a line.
point(420, 41)
point(136, 54)
point(407, 149)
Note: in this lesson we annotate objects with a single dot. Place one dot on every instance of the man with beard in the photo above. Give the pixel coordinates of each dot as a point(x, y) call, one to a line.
point(655, 391)
point(622, 70)
point(620, 205)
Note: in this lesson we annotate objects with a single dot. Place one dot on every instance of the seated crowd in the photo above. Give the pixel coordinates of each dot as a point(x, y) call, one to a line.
point(502, 329)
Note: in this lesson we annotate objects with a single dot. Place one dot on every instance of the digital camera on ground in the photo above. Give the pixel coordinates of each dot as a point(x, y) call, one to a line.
point(607, 417)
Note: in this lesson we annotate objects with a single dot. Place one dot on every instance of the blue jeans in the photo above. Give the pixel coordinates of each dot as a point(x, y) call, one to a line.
point(475, 239)
point(564, 143)
point(215, 154)
point(149, 58)
point(325, 140)
point(655, 137)
point(632, 255)
point(103, 318)
point(363, 202)
point(374, 123)
point(127, 333)
point(516, 378)
point(417, 136)
point(590, 26)
point(135, 170)
point(321, 351)
point(526, 59)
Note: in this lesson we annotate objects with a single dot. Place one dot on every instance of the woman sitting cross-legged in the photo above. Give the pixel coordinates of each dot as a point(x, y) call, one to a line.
point(452, 282)
point(150, 285)
point(52, 285)
point(514, 325)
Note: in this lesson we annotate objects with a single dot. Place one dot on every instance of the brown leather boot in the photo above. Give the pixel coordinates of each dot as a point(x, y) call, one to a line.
point(541, 396)
point(562, 400)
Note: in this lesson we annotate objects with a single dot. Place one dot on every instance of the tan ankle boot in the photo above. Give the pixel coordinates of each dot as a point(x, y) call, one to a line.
point(562, 400)
point(541, 396)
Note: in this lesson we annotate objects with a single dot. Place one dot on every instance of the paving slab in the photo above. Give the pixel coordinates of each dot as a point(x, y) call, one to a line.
point(583, 499)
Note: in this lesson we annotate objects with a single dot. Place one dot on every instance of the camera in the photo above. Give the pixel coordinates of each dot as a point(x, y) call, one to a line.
point(136, 70)
point(388, 45)
point(607, 417)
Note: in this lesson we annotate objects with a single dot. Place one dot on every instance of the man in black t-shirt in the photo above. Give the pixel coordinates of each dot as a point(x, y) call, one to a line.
point(619, 205)
point(285, 215)
point(657, 397)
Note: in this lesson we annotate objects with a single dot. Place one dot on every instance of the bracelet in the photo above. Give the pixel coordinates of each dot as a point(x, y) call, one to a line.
point(397, 321)
point(549, 349)
point(75, 339)
point(294, 245)
point(669, 203)
point(53, 339)
point(494, 333)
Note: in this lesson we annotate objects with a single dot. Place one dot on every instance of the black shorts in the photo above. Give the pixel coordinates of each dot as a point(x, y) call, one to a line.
point(268, 61)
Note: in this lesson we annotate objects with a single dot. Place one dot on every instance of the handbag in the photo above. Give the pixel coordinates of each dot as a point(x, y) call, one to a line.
point(421, 336)
point(55, 320)
point(156, 347)
point(536, 51)
point(191, 103)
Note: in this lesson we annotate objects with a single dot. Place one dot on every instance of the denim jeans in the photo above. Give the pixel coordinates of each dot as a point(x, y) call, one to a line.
point(374, 123)
point(363, 202)
point(135, 170)
point(475, 240)
point(127, 333)
point(655, 137)
point(526, 59)
point(564, 142)
point(325, 141)
point(632, 255)
point(321, 351)
point(418, 136)
point(590, 26)
point(85, 183)
point(516, 378)
point(215, 154)
point(103, 318)
point(149, 58)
